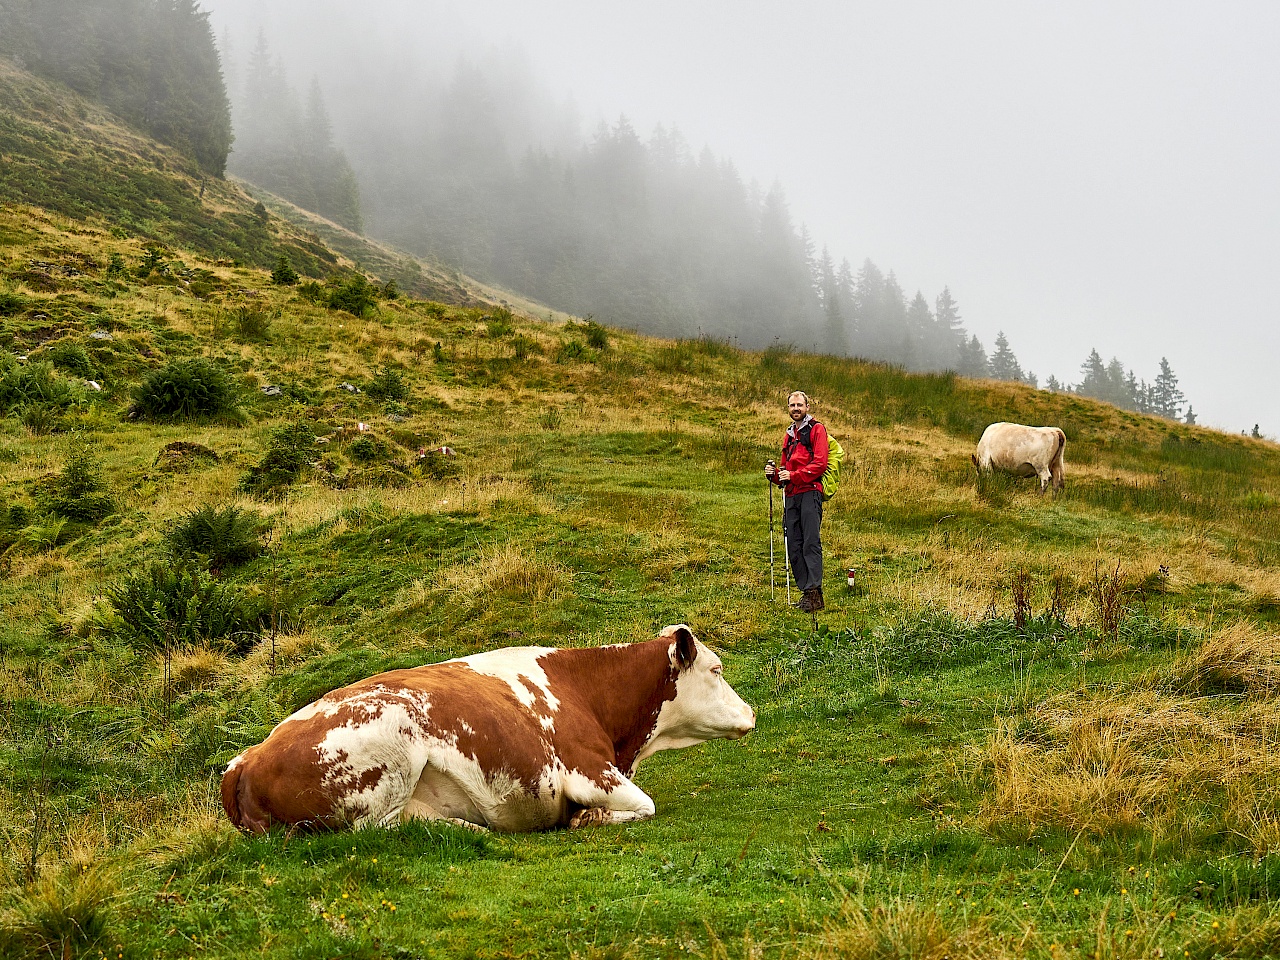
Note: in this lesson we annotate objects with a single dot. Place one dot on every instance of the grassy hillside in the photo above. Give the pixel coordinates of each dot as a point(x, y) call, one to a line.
point(1036, 727)
point(68, 156)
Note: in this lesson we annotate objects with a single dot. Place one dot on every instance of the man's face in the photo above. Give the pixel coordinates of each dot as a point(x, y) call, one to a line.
point(798, 407)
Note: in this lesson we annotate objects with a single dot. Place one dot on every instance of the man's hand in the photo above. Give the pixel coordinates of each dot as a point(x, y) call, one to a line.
point(770, 469)
point(784, 475)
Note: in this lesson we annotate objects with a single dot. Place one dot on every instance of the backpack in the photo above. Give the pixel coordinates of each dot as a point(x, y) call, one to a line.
point(830, 478)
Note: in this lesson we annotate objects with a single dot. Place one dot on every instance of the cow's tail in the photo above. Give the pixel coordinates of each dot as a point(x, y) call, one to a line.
point(246, 816)
point(1057, 467)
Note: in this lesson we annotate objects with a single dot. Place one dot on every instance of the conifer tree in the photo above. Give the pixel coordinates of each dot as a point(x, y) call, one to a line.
point(1191, 416)
point(951, 335)
point(973, 359)
point(868, 296)
point(1093, 375)
point(1004, 365)
point(919, 335)
point(1166, 398)
point(845, 287)
point(833, 306)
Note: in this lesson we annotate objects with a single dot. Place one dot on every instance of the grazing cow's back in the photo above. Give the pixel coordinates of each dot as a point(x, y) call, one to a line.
point(524, 738)
point(1024, 452)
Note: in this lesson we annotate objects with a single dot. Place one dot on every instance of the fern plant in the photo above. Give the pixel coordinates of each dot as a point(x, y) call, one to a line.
point(168, 603)
point(224, 536)
point(185, 390)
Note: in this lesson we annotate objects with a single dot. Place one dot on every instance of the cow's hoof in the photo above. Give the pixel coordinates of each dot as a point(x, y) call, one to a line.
point(588, 818)
point(467, 824)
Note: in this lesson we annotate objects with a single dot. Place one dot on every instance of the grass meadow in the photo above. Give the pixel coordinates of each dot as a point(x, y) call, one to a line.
point(1034, 727)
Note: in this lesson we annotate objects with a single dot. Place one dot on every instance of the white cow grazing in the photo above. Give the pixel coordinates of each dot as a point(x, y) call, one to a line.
point(524, 738)
point(1024, 452)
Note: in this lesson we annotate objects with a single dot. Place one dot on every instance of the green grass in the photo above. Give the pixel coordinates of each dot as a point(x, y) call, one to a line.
point(598, 495)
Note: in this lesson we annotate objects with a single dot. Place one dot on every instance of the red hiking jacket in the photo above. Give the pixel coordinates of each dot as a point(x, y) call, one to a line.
point(807, 467)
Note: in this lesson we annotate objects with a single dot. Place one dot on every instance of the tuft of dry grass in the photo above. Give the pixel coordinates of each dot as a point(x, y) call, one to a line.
point(901, 931)
point(193, 668)
point(1238, 659)
point(505, 569)
point(1137, 759)
point(61, 914)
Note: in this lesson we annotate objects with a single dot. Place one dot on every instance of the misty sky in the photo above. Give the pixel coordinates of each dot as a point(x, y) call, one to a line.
point(1080, 175)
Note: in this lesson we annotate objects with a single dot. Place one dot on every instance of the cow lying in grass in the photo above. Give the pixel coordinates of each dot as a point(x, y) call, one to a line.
point(1023, 452)
point(524, 738)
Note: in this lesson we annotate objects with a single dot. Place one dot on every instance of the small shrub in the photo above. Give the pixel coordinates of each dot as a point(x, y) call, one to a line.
point(115, 265)
point(313, 291)
point(570, 350)
point(224, 536)
point(522, 346)
point(252, 325)
point(152, 260)
point(41, 418)
point(367, 450)
point(499, 324)
point(11, 303)
point(260, 211)
point(597, 336)
point(185, 390)
point(437, 465)
point(181, 603)
point(292, 448)
point(356, 295)
point(388, 384)
point(284, 274)
point(33, 383)
point(391, 290)
point(70, 357)
point(79, 491)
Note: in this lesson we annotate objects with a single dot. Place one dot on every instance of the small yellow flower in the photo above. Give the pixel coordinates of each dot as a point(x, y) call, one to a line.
point(1075, 892)
point(1215, 924)
point(1123, 890)
point(344, 896)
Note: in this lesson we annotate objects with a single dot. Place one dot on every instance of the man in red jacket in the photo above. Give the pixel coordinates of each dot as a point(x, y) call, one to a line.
point(803, 462)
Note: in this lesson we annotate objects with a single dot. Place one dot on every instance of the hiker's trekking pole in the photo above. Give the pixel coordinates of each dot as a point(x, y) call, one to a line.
point(772, 578)
point(786, 555)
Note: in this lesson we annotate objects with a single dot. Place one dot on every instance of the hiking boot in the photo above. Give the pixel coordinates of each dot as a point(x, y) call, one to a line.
point(811, 602)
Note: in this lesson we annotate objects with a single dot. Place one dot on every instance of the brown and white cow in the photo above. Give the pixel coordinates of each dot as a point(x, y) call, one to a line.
point(523, 738)
point(1024, 452)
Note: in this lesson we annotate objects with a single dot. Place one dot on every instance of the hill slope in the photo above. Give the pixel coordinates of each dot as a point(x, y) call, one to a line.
point(68, 156)
point(1035, 725)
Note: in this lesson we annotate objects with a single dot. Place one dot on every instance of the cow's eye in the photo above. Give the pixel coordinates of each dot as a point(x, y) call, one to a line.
point(717, 670)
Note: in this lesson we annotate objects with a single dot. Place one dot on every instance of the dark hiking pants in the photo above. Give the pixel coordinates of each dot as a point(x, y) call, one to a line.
point(801, 519)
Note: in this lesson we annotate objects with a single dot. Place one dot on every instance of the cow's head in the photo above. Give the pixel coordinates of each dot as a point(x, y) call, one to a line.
point(705, 706)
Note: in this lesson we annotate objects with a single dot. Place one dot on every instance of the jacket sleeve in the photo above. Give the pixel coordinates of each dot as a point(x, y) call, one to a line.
point(812, 471)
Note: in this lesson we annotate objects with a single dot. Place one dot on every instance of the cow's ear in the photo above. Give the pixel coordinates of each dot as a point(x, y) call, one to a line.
point(686, 648)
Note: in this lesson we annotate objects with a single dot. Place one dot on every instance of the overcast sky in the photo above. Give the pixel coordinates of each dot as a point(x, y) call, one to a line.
point(1079, 174)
